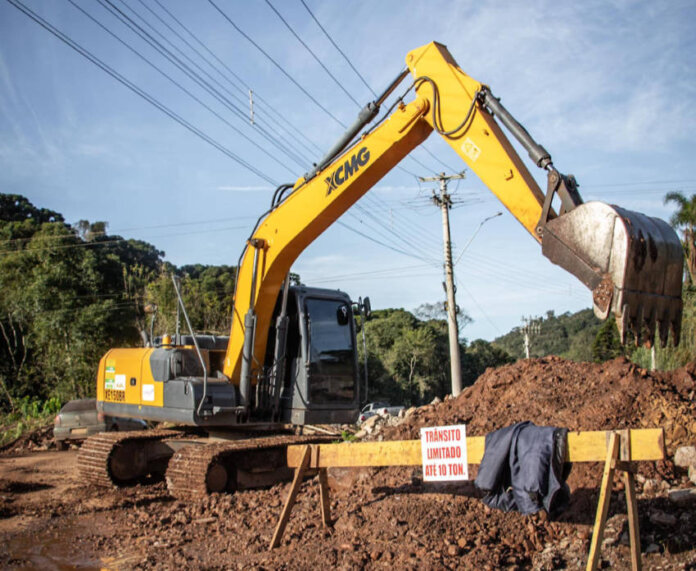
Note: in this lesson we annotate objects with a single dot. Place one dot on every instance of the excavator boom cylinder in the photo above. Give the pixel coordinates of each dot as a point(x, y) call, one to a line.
point(633, 264)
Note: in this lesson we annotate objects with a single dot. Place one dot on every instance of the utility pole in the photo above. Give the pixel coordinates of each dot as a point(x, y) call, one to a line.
point(444, 201)
point(530, 328)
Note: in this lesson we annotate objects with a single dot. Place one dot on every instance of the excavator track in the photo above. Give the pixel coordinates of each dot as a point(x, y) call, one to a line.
point(97, 454)
point(196, 471)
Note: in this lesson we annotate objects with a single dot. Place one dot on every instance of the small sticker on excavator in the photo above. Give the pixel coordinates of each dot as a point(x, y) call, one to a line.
point(148, 394)
point(470, 149)
point(115, 382)
point(120, 383)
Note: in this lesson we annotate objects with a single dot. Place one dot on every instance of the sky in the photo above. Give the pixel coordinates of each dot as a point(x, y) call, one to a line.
point(606, 87)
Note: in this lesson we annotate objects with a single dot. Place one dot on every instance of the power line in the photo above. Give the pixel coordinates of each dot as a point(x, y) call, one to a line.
point(425, 231)
point(114, 240)
point(371, 239)
point(477, 304)
point(316, 58)
point(274, 62)
point(400, 226)
point(177, 84)
point(380, 228)
point(350, 63)
point(338, 49)
point(134, 88)
point(193, 76)
point(118, 230)
point(278, 116)
point(285, 147)
point(442, 163)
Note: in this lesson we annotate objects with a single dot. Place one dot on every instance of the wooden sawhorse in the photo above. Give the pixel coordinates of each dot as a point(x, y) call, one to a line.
point(618, 449)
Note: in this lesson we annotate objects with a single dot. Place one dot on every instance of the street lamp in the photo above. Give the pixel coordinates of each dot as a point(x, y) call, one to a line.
point(459, 257)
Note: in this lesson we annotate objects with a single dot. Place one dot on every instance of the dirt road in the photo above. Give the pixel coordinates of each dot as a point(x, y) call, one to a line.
point(382, 519)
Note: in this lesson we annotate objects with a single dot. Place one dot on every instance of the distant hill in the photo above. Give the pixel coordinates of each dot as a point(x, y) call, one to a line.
point(569, 335)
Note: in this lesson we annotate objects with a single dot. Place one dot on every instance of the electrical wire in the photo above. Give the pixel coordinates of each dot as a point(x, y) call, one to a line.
point(316, 58)
point(279, 117)
point(135, 89)
point(181, 87)
point(345, 57)
point(371, 239)
point(286, 147)
point(378, 226)
point(113, 240)
point(276, 64)
point(197, 79)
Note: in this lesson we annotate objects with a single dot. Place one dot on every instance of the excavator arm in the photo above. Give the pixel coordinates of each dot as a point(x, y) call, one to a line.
point(632, 263)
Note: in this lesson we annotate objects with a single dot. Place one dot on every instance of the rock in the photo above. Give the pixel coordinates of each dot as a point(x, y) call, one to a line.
point(662, 518)
point(369, 424)
point(685, 456)
point(682, 497)
point(650, 486)
point(436, 400)
point(692, 474)
point(454, 550)
point(360, 434)
point(410, 411)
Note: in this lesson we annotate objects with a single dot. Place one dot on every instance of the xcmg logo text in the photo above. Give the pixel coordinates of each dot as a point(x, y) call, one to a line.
point(347, 170)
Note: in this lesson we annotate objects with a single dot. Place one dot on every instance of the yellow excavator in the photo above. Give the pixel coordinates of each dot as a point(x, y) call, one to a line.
point(290, 359)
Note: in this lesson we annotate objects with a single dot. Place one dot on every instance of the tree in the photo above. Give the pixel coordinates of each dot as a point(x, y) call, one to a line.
point(479, 356)
point(16, 208)
point(685, 218)
point(438, 311)
point(607, 344)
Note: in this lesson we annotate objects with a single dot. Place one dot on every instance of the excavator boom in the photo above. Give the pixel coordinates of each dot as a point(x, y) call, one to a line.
point(630, 261)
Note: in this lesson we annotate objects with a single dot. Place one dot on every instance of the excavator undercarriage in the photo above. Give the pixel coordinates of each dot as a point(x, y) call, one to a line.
point(193, 466)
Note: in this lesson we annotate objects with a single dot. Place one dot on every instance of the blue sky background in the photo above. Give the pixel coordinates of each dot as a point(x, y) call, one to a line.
point(607, 87)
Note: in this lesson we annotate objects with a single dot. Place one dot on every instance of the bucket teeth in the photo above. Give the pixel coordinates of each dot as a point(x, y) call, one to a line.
point(648, 319)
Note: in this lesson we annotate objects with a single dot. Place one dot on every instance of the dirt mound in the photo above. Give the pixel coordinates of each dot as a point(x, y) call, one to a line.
point(38, 439)
point(580, 396)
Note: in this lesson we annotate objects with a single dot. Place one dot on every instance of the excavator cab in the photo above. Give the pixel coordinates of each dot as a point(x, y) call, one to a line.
point(318, 381)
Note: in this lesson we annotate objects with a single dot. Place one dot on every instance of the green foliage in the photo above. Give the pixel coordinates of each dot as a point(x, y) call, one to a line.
point(408, 358)
point(670, 357)
point(685, 219)
point(347, 436)
point(30, 414)
point(69, 293)
point(479, 356)
point(607, 344)
point(568, 335)
point(207, 292)
point(64, 301)
point(16, 208)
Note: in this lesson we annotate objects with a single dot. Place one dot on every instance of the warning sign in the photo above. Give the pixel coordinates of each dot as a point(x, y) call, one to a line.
point(444, 453)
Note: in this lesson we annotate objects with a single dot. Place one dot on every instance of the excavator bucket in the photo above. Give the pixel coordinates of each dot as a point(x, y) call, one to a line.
point(632, 263)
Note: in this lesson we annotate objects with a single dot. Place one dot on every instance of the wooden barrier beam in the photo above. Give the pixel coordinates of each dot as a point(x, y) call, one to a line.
point(591, 446)
point(619, 449)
